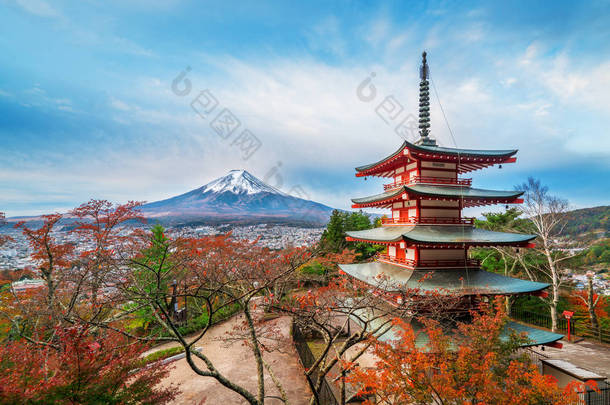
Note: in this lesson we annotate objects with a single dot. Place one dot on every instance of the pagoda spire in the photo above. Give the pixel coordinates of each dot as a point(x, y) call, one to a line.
point(424, 104)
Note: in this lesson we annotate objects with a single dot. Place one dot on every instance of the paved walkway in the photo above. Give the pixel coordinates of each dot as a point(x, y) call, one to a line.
point(235, 360)
point(588, 355)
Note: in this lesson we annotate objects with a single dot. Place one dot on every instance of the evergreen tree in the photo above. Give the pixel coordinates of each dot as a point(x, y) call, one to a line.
point(333, 237)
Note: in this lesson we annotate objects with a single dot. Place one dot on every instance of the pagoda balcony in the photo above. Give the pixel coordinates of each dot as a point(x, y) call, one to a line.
point(427, 221)
point(428, 263)
point(429, 180)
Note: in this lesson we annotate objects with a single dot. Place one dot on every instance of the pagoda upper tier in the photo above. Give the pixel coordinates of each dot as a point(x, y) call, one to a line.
point(424, 156)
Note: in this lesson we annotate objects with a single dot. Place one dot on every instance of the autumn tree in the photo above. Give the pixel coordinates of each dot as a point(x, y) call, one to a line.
point(474, 363)
point(591, 303)
point(99, 225)
point(216, 272)
point(48, 322)
point(80, 368)
point(53, 260)
point(346, 314)
point(3, 238)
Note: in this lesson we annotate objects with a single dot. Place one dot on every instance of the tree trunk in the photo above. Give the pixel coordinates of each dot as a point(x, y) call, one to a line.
point(591, 306)
point(555, 281)
point(342, 401)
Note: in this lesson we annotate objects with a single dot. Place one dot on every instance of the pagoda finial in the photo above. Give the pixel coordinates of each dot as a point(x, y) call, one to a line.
point(424, 103)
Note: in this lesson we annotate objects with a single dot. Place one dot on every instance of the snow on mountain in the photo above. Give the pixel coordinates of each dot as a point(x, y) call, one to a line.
point(237, 197)
point(239, 182)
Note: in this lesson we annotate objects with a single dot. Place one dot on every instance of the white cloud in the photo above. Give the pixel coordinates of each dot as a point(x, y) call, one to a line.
point(377, 31)
point(38, 7)
point(119, 105)
point(508, 82)
point(327, 36)
point(129, 47)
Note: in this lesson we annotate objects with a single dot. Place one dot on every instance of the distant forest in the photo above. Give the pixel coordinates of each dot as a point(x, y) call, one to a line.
point(588, 220)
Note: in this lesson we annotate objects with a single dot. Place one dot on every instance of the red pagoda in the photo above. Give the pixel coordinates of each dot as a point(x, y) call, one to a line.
point(426, 236)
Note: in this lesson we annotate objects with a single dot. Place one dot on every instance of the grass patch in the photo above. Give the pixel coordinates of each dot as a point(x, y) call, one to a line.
point(317, 347)
point(162, 354)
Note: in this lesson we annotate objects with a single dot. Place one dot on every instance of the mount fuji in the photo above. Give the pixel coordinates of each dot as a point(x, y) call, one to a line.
point(238, 197)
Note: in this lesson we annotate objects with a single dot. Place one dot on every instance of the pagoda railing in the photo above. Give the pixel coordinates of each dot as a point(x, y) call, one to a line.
point(430, 180)
point(429, 263)
point(428, 220)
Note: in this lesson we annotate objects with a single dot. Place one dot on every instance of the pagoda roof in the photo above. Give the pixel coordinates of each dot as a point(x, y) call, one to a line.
point(468, 159)
point(461, 152)
point(443, 235)
point(477, 195)
point(535, 337)
point(465, 281)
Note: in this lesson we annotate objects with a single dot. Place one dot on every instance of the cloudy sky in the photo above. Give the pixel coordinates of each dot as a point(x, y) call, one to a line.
point(92, 105)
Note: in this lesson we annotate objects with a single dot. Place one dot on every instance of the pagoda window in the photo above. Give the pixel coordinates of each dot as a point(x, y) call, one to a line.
point(445, 174)
point(438, 165)
point(442, 254)
point(441, 213)
point(410, 254)
point(440, 203)
point(392, 251)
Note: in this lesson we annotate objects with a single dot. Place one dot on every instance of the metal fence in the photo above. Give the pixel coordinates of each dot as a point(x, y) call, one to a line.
point(577, 328)
point(600, 396)
point(325, 395)
point(538, 319)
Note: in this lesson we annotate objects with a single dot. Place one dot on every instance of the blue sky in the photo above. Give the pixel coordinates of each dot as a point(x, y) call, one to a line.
point(87, 108)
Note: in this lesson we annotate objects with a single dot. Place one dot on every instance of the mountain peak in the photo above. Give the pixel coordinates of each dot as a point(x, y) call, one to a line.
point(239, 181)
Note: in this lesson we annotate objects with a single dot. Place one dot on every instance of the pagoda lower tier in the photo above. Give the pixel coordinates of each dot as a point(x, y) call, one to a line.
point(534, 336)
point(460, 281)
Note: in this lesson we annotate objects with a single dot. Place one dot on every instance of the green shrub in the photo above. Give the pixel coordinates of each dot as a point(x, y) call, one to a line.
point(314, 268)
point(199, 322)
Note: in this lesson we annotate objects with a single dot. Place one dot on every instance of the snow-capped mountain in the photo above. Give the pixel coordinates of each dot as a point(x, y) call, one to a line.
point(238, 197)
point(239, 182)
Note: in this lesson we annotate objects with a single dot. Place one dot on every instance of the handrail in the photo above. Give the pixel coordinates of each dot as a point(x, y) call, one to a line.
point(429, 179)
point(430, 263)
point(427, 220)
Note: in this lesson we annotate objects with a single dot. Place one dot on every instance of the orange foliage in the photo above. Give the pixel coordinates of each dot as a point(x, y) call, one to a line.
point(473, 366)
point(79, 368)
point(579, 298)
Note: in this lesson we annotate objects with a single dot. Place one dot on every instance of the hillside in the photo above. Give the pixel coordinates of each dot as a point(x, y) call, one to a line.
point(585, 220)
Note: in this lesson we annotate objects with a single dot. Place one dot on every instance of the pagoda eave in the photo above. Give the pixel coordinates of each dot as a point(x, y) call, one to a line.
point(467, 202)
point(442, 245)
point(461, 281)
point(467, 159)
point(437, 236)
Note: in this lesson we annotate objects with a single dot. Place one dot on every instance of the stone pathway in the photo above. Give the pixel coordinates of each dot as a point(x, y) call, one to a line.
point(235, 360)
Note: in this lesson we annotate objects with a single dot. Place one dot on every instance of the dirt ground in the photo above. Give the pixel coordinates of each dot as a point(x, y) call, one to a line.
point(235, 360)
